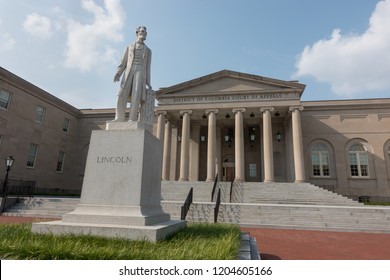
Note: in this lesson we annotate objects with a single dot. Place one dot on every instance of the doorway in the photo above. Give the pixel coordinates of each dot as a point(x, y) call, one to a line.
point(228, 170)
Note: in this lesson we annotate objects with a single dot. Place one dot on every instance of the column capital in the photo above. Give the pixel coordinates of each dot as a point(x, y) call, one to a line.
point(293, 108)
point(161, 113)
point(189, 112)
point(235, 110)
point(264, 109)
point(208, 111)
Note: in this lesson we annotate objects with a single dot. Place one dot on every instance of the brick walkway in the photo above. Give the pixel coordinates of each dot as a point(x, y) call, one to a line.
point(276, 244)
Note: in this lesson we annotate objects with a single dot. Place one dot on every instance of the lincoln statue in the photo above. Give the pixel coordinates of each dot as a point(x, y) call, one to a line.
point(135, 68)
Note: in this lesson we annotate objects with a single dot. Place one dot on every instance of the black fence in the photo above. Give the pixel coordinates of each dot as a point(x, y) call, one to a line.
point(18, 187)
point(371, 199)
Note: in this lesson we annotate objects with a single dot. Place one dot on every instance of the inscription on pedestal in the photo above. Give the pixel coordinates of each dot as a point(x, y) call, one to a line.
point(114, 159)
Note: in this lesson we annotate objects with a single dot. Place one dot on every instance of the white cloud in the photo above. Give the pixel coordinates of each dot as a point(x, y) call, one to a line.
point(352, 63)
point(90, 44)
point(7, 42)
point(38, 25)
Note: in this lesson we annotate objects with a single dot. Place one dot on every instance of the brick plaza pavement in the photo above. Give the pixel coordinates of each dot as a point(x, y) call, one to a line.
point(320, 245)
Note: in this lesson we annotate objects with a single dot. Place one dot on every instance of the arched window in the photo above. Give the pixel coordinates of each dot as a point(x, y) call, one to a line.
point(358, 160)
point(320, 160)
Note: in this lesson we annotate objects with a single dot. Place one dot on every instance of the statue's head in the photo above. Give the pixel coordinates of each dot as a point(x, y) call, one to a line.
point(141, 32)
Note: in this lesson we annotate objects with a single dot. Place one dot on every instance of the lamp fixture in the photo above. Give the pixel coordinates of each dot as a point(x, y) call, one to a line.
point(252, 135)
point(277, 114)
point(202, 138)
point(204, 116)
point(9, 161)
point(179, 137)
point(229, 137)
point(278, 136)
point(227, 116)
point(252, 115)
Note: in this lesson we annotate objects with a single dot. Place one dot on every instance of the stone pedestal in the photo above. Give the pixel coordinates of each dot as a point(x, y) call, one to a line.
point(121, 194)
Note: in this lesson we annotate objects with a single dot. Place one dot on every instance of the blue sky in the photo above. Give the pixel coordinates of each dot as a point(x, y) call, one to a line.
point(340, 49)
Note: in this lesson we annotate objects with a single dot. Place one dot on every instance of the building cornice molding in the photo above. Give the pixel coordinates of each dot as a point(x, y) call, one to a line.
point(37, 92)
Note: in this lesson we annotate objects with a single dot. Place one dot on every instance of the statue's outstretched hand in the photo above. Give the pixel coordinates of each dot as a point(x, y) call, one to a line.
point(117, 78)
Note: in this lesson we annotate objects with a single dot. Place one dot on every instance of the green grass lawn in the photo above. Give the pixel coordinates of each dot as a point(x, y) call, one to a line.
point(196, 242)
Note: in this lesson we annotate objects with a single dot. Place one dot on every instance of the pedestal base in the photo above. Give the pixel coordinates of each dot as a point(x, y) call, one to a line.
point(152, 233)
point(121, 194)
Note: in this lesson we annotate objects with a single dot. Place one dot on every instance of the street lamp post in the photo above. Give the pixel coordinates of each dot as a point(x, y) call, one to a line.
point(9, 161)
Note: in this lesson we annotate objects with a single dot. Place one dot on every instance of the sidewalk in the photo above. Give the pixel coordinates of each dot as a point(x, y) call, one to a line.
point(281, 244)
point(276, 244)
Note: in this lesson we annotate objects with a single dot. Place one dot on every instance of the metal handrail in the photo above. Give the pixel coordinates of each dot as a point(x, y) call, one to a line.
point(216, 208)
point(231, 190)
point(214, 187)
point(187, 204)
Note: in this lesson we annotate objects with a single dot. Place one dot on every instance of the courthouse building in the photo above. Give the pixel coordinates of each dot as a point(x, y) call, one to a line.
point(233, 125)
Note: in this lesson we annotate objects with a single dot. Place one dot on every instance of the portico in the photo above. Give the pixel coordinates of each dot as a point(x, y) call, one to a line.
point(242, 127)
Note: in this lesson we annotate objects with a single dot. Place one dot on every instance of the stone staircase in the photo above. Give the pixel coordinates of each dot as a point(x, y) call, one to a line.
point(43, 207)
point(271, 205)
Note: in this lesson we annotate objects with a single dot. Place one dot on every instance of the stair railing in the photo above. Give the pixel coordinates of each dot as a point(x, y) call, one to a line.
point(214, 187)
point(217, 204)
point(231, 191)
point(187, 204)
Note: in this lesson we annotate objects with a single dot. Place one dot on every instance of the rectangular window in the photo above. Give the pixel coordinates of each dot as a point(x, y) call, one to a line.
point(39, 114)
point(66, 125)
point(315, 160)
point(320, 164)
point(363, 164)
point(60, 162)
point(5, 98)
point(325, 164)
point(1, 140)
point(32, 155)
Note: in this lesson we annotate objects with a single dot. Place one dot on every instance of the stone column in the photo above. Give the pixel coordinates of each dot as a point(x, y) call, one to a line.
point(166, 151)
point(160, 124)
point(239, 144)
point(211, 144)
point(185, 146)
point(268, 147)
point(299, 165)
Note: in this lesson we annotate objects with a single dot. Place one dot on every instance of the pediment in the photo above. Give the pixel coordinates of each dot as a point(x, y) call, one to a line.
point(225, 82)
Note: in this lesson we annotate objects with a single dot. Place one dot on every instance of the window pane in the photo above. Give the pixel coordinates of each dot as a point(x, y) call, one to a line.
point(5, 97)
point(316, 170)
point(354, 170)
point(364, 170)
point(358, 147)
point(60, 162)
point(325, 170)
point(315, 158)
point(352, 159)
point(32, 155)
point(320, 147)
point(324, 159)
point(252, 170)
point(39, 114)
point(363, 158)
point(66, 125)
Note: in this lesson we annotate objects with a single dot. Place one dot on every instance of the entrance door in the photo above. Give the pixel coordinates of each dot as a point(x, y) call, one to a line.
point(228, 174)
